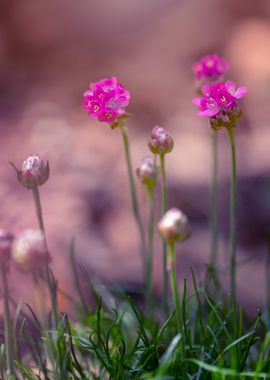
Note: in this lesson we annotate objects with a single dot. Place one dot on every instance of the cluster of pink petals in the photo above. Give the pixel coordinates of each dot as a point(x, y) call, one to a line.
point(106, 99)
point(218, 98)
point(210, 67)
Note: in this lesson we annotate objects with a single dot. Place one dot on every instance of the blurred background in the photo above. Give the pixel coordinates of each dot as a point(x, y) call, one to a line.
point(51, 50)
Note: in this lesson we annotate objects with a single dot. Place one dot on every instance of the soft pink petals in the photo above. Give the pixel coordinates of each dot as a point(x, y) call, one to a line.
point(236, 92)
point(210, 67)
point(218, 98)
point(206, 88)
point(240, 92)
point(196, 101)
point(106, 99)
point(230, 86)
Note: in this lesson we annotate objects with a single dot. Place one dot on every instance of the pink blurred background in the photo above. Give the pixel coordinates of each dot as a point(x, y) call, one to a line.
point(51, 50)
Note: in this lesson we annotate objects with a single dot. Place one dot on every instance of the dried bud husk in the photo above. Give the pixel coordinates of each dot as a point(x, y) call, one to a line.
point(34, 172)
point(29, 251)
point(174, 226)
point(6, 239)
point(227, 119)
point(160, 141)
point(147, 172)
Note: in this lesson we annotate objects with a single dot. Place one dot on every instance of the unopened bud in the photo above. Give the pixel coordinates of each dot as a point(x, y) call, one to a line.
point(160, 141)
point(34, 172)
point(147, 172)
point(29, 250)
point(174, 225)
point(5, 246)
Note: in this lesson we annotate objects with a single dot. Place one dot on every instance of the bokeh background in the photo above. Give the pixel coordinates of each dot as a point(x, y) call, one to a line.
point(50, 51)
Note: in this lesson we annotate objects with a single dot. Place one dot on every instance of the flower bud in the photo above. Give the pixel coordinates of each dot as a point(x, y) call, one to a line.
point(34, 172)
point(174, 225)
point(147, 172)
point(29, 251)
point(160, 141)
point(5, 246)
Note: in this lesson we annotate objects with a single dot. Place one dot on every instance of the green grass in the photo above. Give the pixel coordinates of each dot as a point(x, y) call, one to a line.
point(121, 343)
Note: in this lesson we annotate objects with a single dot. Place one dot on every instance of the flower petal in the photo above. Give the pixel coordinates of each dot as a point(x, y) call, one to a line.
point(240, 92)
point(197, 101)
point(230, 86)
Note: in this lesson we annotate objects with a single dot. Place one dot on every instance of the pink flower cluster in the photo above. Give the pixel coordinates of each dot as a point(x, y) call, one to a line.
point(219, 98)
point(106, 100)
point(210, 67)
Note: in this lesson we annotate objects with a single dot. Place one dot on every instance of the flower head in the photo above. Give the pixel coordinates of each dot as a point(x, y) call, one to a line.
point(106, 100)
point(210, 68)
point(160, 141)
point(147, 172)
point(34, 172)
point(29, 251)
point(219, 102)
point(174, 226)
point(5, 246)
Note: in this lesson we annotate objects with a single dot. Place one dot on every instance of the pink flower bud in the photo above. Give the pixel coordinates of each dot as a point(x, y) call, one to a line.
point(5, 246)
point(29, 251)
point(147, 172)
point(34, 172)
point(160, 141)
point(174, 225)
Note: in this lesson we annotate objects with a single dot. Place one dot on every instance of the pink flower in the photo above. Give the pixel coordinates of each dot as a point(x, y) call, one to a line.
point(219, 99)
point(106, 100)
point(210, 68)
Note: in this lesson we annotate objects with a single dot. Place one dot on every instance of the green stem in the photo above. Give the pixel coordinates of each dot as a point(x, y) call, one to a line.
point(268, 277)
point(51, 286)
point(39, 298)
point(134, 199)
point(233, 217)
point(164, 245)
point(175, 293)
point(149, 258)
point(7, 324)
point(76, 277)
point(213, 219)
point(179, 320)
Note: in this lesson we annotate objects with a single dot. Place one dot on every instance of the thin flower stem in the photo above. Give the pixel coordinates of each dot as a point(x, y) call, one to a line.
point(51, 286)
point(233, 217)
point(179, 320)
point(267, 266)
point(7, 325)
point(213, 219)
point(149, 259)
point(175, 293)
point(134, 199)
point(76, 278)
point(164, 245)
point(39, 295)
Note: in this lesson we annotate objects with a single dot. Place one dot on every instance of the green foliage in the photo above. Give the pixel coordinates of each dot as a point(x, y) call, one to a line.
point(121, 343)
